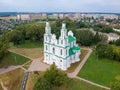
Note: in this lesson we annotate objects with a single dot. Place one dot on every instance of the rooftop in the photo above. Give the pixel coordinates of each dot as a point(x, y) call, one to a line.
point(70, 39)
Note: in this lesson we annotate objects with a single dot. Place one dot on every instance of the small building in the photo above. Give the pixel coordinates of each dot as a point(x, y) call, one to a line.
point(63, 51)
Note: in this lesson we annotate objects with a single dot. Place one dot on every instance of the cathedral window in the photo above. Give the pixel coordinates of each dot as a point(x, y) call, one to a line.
point(61, 41)
point(74, 57)
point(53, 50)
point(46, 47)
point(66, 52)
point(61, 52)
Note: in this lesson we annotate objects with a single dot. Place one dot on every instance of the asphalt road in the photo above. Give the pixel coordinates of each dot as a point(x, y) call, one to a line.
point(24, 82)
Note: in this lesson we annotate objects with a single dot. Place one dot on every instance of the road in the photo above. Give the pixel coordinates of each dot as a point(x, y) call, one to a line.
point(24, 82)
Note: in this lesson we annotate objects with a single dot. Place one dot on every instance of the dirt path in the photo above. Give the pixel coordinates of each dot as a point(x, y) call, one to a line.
point(2, 85)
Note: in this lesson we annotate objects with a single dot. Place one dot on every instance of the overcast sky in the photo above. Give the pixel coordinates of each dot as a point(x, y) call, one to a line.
point(60, 6)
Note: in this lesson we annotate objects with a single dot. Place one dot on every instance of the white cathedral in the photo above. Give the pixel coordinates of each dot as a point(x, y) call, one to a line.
point(63, 51)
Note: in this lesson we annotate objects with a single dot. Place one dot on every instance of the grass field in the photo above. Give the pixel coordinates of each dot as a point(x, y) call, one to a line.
point(73, 84)
point(101, 71)
point(12, 59)
point(74, 65)
point(30, 52)
point(32, 79)
point(26, 66)
point(13, 79)
point(30, 44)
point(1, 87)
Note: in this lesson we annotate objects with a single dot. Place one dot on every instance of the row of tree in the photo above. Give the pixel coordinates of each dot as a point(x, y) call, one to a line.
point(34, 32)
point(87, 38)
point(103, 28)
point(108, 51)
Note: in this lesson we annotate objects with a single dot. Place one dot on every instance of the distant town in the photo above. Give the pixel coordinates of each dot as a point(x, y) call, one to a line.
point(8, 21)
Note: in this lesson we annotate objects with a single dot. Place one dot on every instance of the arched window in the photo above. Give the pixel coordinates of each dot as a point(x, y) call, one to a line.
point(46, 47)
point(66, 52)
point(53, 50)
point(61, 52)
point(61, 41)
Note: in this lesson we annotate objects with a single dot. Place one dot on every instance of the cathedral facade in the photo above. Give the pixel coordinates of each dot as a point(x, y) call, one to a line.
point(63, 51)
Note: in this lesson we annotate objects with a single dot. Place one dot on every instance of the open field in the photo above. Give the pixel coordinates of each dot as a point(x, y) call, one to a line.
point(74, 65)
point(12, 59)
point(74, 84)
point(13, 79)
point(100, 71)
point(29, 52)
point(30, 44)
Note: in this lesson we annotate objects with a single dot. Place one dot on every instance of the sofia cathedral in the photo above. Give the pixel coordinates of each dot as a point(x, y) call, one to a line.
point(63, 51)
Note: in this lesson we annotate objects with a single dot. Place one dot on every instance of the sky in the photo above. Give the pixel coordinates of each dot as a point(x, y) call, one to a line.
point(108, 6)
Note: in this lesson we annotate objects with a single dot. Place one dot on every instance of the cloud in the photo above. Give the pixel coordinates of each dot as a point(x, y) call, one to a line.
point(61, 5)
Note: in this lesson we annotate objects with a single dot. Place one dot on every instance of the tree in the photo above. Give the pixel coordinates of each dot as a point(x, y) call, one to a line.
point(16, 37)
point(117, 42)
point(84, 37)
point(100, 50)
point(4, 45)
point(111, 52)
point(55, 77)
point(107, 29)
point(42, 84)
point(97, 38)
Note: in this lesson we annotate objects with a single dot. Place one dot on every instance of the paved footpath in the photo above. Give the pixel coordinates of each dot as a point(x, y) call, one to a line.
point(10, 68)
point(74, 74)
point(38, 65)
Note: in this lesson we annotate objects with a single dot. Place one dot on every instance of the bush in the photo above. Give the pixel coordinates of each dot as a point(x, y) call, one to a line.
point(42, 84)
point(108, 51)
point(115, 85)
point(55, 77)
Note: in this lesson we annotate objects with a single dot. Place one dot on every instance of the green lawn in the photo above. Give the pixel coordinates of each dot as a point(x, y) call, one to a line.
point(75, 84)
point(101, 71)
point(30, 44)
point(12, 59)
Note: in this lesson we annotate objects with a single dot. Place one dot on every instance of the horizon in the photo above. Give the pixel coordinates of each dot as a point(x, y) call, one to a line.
point(62, 12)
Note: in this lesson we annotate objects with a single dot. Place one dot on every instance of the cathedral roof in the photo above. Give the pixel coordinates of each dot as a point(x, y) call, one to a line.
point(71, 39)
point(71, 50)
point(76, 48)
